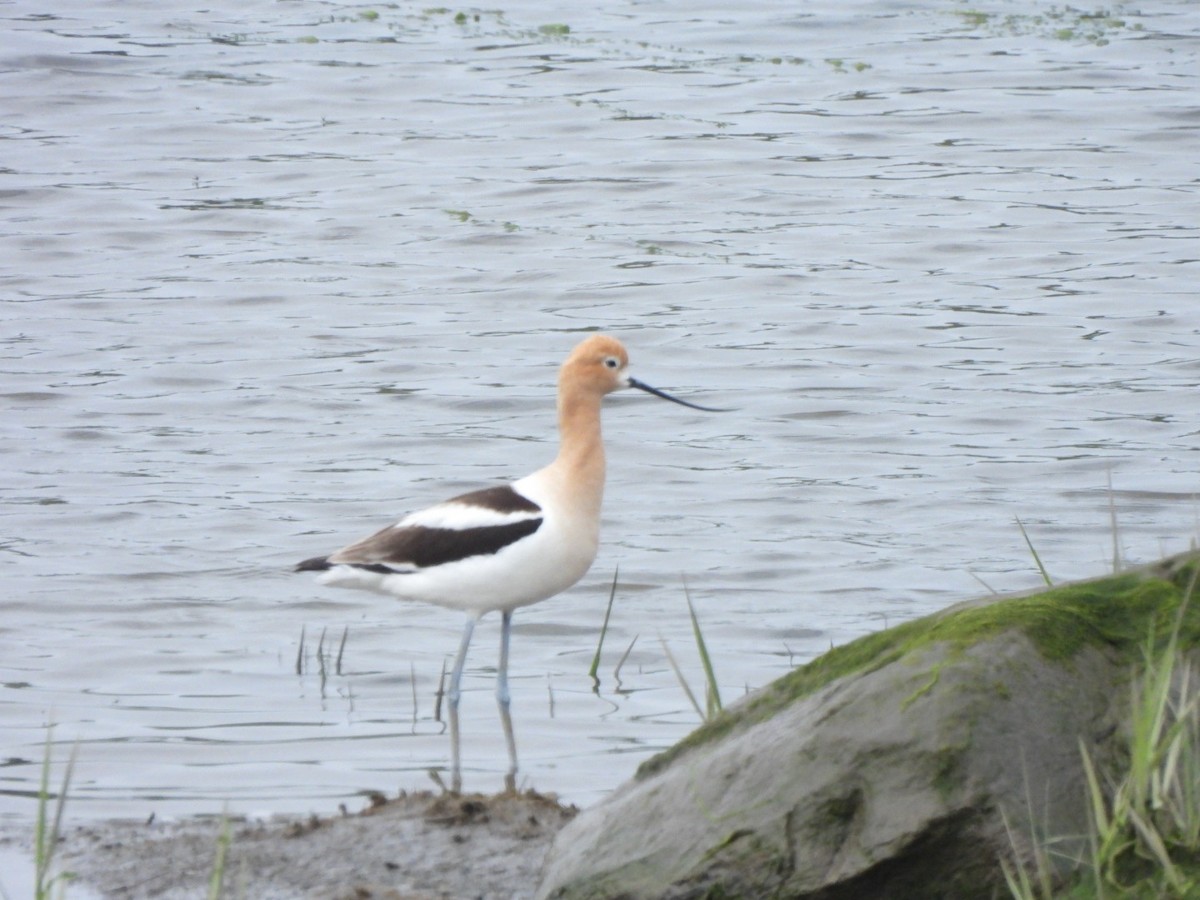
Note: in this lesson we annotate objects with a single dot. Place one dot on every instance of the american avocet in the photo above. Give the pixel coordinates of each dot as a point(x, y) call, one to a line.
point(503, 547)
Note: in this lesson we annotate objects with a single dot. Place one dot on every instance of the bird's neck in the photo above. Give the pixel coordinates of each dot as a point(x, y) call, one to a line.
point(580, 461)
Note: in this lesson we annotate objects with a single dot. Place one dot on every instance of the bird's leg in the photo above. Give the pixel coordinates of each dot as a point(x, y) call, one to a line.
point(452, 697)
point(504, 700)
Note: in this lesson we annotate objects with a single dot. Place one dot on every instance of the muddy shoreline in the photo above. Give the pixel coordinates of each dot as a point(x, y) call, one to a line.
point(417, 846)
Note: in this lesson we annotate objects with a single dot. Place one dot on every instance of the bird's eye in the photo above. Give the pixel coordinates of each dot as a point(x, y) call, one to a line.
point(612, 362)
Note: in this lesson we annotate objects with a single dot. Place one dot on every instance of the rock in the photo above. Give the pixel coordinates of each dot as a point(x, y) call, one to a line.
point(887, 768)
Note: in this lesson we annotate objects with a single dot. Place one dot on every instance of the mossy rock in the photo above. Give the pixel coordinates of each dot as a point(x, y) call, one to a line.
point(882, 769)
point(1115, 612)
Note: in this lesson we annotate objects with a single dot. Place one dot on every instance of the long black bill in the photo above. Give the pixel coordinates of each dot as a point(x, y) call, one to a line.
point(642, 386)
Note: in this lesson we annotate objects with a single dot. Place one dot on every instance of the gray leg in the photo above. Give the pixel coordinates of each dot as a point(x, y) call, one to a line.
point(452, 697)
point(505, 701)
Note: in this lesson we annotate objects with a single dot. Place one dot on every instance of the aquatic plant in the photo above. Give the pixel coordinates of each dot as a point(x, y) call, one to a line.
point(47, 829)
point(1063, 23)
point(612, 594)
point(712, 695)
point(1033, 550)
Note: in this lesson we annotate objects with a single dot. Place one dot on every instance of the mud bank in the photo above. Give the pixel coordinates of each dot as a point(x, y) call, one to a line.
point(418, 846)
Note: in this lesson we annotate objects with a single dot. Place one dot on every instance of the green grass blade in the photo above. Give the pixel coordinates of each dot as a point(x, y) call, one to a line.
point(679, 674)
point(61, 805)
point(216, 878)
point(342, 649)
point(1153, 841)
point(1037, 559)
point(1015, 876)
point(612, 593)
point(991, 590)
point(43, 851)
point(621, 661)
point(712, 694)
point(1101, 823)
point(47, 833)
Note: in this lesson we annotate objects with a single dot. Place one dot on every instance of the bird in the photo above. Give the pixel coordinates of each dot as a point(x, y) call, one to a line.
point(503, 547)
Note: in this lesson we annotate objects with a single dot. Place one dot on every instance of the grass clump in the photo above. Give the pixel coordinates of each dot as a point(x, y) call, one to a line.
point(712, 694)
point(48, 827)
point(1144, 835)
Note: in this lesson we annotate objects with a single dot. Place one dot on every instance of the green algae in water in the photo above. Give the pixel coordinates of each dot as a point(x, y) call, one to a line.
point(1062, 23)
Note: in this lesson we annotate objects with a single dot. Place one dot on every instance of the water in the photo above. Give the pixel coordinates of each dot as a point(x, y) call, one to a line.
point(276, 273)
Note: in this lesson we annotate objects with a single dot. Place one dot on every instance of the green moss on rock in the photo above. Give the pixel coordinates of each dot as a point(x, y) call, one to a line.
point(1116, 612)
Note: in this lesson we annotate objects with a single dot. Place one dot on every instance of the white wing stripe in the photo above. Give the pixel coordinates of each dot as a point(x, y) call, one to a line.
point(459, 516)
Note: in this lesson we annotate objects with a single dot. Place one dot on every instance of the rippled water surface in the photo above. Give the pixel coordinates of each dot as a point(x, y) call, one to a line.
point(275, 273)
